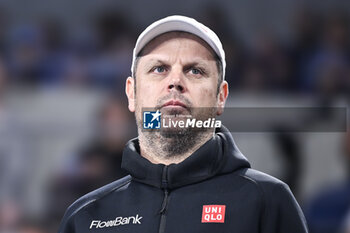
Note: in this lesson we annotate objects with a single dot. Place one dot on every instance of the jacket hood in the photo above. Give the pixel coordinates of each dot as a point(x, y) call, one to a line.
point(219, 155)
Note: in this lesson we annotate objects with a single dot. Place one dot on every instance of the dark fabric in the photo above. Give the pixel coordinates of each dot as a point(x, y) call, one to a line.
point(159, 198)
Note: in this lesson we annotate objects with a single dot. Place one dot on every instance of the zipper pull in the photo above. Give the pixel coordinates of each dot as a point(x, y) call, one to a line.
point(165, 200)
point(165, 188)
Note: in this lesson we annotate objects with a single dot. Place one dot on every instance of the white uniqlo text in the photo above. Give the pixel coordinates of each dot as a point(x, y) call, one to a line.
point(213, 213)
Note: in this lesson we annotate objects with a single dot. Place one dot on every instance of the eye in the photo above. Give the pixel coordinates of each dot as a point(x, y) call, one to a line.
point(159, 69)
point(196, 71)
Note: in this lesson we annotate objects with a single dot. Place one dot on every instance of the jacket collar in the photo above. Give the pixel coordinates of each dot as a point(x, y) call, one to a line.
point(219, 155)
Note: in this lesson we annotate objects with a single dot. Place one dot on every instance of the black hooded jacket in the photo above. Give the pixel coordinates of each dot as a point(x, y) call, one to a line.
point(213, 190)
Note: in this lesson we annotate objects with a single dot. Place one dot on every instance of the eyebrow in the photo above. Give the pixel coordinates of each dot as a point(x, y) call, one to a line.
point(195, 62)
point(152, 62)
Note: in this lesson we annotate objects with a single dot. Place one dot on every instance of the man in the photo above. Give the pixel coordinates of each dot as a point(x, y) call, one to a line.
point(183, 179)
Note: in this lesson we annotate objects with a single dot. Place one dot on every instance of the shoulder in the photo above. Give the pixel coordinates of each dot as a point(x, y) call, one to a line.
point(259, 178)
point(94, 196)
point(268, 186)
point(99, 193)
point(280, 210)
point(274, 193)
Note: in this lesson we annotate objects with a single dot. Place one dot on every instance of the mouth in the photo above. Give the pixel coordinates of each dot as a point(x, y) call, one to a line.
point(174, 104)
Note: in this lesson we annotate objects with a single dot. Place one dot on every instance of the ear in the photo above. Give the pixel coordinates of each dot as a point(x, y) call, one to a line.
point(222, 96)
point(130, 93)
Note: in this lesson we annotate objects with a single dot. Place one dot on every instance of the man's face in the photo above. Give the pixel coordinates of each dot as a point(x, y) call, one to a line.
point(177, 73)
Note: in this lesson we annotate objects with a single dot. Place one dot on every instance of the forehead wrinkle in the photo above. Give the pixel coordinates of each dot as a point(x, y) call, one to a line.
point(156, 58)
point(171, 36)
point(150, 50)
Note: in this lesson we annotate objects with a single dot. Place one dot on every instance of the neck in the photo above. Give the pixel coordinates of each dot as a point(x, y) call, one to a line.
point(160, 149)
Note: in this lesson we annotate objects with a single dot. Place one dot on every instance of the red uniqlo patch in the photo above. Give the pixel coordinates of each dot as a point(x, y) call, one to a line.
point(213, 213)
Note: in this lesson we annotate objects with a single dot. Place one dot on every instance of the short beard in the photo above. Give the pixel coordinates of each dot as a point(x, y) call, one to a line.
point(173, 144)
point(176, 142)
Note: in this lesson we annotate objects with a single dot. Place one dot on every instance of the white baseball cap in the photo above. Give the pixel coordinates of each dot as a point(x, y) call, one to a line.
point(179, 23)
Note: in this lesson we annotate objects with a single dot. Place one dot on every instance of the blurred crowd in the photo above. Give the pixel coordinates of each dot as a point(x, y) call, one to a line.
point(315, 60)
point(43, 55)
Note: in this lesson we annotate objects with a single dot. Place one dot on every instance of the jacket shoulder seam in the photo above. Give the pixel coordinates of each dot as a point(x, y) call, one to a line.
point(88, 202)
point(262, 196)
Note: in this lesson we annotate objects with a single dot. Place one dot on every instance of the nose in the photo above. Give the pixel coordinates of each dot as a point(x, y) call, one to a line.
point(176, 82)
point(177, 87)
